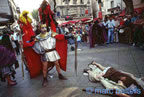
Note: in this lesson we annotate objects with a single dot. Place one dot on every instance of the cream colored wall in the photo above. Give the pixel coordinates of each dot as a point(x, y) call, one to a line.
point(77, 10)
point(138, 4)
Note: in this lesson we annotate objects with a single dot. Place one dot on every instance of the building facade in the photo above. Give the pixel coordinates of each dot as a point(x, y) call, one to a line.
point(138, 3)
point(110, 6)
point(8, 9)
point(115, 6)
point(74, 8)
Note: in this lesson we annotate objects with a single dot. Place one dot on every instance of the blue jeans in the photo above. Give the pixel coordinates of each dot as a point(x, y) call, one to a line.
point(110, 35)
point(78, 42)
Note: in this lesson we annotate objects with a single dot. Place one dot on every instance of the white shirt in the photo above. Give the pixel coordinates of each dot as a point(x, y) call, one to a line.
point(105, 23)
point(1, 37)
point(111, 24)
point(117, 23)
point(66, 30)
point(15, 36)
point(12, 42)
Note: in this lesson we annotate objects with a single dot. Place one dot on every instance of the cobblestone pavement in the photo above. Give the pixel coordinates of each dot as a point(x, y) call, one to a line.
point(119, 56)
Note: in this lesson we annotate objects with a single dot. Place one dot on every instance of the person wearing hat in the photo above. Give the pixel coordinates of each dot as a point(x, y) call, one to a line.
point(45, 45)
point(32, 58)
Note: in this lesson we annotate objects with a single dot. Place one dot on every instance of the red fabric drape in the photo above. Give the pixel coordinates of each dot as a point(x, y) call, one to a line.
point(61, 48)
point(28, 33)
point(33, 59)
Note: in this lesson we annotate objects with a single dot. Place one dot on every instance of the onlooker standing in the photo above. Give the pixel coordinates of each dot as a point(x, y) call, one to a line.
point(7, 59)
point(117, 24)
point(79, 37)
point(66, 30)
point(15, 39)
point(87, 32)
point(128, 30)
point(138, 33)
point(105, 29)
point(91, 36)
point(111, 26)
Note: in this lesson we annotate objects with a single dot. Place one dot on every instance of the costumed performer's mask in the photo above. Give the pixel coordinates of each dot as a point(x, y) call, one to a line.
point(43, 28)
point(25, 13)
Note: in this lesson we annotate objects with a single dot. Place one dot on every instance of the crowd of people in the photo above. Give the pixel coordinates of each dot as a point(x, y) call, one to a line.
point(112, 29)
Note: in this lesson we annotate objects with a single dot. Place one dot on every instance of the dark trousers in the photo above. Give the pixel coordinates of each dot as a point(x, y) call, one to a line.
point(17, 47)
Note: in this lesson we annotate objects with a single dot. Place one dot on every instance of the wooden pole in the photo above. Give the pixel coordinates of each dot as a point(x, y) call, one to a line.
point(76, 55)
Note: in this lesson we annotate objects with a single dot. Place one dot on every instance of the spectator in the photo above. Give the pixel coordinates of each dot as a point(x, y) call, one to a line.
point(128, 30)
point(117, 24)
point(111, 26)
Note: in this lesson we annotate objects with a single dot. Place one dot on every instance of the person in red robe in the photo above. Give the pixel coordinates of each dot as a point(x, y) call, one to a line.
point(32, 58)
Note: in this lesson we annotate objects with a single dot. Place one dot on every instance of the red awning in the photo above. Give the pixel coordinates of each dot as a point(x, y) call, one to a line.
point(139, 10)
point(85, 19)
point(72, 22)
point(77, 21)
point(64, 23)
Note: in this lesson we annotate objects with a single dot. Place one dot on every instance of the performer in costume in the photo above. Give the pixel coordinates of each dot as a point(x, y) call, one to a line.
point(32, 58)
point(46, 47)
point(47, 17)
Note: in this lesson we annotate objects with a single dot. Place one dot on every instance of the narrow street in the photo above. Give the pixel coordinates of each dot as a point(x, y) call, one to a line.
point(119, 56)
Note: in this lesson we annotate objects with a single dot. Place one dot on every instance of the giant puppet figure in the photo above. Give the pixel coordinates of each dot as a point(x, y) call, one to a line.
point(46, 17)
point(32, 58)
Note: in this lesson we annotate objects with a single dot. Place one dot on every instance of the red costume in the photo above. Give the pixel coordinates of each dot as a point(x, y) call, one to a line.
point(33, 59)
point(46, 16)
point(61, 48)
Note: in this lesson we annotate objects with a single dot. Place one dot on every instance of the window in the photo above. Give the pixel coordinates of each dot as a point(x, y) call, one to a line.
point(99, 1)
point(112, 4)
point(81, 1)
point(74, 1)
point(66, 1)
point(101, 4)
point(88, 2)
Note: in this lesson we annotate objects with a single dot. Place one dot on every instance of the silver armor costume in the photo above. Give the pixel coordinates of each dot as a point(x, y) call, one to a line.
point(44, 44)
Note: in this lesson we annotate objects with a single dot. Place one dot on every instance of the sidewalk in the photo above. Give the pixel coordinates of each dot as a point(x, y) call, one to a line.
point(119, 56)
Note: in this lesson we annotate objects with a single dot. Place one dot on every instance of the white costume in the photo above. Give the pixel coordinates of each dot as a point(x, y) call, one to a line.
point(46, 43)
point(95, 74)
